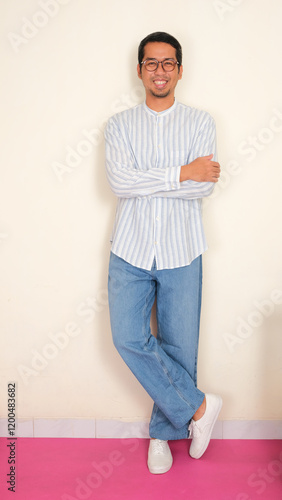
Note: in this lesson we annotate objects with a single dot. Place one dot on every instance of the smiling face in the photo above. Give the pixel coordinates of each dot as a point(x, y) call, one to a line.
point(159, 85)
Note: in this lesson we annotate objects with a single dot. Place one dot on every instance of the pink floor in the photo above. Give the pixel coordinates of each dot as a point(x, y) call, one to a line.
point(110, 469)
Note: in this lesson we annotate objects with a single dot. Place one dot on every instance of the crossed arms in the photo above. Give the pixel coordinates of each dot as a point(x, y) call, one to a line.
point(193, 180)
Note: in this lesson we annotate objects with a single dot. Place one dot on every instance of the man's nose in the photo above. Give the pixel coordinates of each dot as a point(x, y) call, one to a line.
point(159, 70)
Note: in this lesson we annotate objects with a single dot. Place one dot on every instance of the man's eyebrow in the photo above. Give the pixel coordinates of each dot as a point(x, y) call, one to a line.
point(155, 59)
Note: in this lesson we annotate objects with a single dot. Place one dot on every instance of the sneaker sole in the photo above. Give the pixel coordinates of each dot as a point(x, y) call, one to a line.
point(163, 470)
point(200, 454)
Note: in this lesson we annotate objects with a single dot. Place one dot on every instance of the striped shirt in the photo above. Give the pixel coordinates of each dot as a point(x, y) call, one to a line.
point(158, 216)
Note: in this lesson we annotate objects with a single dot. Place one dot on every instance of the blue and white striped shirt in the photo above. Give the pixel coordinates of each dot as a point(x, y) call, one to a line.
point(156, 215)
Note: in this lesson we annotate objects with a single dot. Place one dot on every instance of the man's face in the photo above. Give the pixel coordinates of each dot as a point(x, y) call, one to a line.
point(159, 83)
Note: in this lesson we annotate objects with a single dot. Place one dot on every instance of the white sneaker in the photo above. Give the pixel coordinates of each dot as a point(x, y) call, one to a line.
point(201, 429)
point(159, 457)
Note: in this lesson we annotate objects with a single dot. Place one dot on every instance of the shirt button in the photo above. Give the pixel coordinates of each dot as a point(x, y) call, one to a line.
point(157, 218)
point(156, 242)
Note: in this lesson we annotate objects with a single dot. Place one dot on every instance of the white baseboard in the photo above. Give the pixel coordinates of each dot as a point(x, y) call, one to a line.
point(117, 429)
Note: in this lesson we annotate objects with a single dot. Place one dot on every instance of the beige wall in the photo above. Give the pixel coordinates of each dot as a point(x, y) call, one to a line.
point(66, 67)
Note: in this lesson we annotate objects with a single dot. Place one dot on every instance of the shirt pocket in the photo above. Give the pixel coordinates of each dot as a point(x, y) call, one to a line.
point(178, 157)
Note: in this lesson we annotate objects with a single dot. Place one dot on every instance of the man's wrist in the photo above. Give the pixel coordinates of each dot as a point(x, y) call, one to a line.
point(184, 173)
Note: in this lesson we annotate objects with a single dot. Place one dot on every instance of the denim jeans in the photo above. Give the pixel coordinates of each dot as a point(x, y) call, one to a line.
point(166, 366)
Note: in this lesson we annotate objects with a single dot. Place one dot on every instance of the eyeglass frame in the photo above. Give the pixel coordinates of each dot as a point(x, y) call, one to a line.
point(159, 62)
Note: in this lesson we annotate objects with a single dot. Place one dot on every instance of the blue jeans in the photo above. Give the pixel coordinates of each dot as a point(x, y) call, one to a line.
point(167, 366)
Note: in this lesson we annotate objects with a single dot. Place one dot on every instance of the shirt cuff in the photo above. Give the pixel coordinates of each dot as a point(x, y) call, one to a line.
point(172, 177)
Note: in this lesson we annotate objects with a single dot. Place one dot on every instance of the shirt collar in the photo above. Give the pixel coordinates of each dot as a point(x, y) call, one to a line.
point(160, 113)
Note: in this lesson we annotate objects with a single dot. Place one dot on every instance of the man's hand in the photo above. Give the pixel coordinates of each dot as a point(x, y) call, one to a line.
point(201, 170)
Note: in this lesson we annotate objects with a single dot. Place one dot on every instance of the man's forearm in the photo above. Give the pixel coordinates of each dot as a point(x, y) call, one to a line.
point(202, 169)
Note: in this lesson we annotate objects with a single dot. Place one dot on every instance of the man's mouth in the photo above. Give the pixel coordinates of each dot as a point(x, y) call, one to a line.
point(160, 84)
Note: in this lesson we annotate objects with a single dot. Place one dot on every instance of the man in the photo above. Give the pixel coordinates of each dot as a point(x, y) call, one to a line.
point(160, 163)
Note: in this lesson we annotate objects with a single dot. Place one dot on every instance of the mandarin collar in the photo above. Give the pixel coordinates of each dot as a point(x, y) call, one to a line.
point(160, 113)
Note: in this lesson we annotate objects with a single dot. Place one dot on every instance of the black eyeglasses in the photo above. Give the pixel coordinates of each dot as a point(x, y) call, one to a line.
point(153, 64)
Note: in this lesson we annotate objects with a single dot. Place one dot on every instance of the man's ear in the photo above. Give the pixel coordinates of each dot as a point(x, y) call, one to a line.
point(180, 72)
point(139, 71)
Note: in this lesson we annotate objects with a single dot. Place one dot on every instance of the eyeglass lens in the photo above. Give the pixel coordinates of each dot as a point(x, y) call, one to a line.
point(167, 65)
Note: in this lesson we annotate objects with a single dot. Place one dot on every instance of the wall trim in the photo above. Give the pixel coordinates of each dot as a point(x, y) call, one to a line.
point(92, 428)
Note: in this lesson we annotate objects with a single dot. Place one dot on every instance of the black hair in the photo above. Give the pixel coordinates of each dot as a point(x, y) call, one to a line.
point(160, 36)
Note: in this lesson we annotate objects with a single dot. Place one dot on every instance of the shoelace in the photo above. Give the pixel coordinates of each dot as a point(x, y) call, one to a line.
point(194, 429)
point(158, 446)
